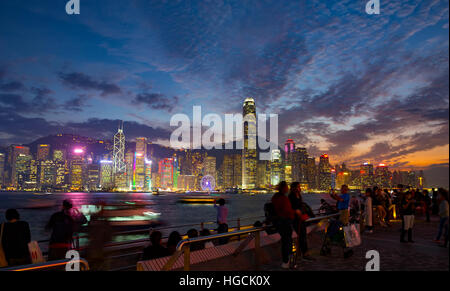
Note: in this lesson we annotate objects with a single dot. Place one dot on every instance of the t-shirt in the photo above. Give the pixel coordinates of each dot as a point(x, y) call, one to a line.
point(16, 236)
point(342, 205)
point(222, 214)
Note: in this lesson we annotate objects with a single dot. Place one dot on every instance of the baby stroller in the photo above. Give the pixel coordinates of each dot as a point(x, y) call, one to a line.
point(334, 236)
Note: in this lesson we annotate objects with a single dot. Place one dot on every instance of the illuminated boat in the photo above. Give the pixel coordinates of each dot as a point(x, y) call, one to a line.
point(126, 216)
point(206, 199)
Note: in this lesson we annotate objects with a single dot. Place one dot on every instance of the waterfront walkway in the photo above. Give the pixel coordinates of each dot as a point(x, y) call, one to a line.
point(423, 255)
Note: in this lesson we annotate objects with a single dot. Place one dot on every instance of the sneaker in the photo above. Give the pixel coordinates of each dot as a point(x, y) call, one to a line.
point(285, 265)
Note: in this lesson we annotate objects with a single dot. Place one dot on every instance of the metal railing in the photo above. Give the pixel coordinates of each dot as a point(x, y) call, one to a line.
point(84, 266)
point(183, 246)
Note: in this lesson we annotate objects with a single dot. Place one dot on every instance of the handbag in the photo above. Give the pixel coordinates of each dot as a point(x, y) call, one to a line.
point(3, 261)
point(35, 253)
point(352, 236)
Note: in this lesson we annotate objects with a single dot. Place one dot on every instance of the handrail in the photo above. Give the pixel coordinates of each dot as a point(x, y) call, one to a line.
point(184, 245)
point(187, 241)
point(48, 265)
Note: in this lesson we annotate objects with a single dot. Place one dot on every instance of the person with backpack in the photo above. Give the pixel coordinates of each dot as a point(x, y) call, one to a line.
point(285, 216)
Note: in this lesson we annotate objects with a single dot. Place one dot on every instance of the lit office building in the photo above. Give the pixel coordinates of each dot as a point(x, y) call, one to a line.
point(106, 175)
point(148, 175)
point(120, 170)
point(311, 173)
point(13, 152)
point(59, 155)
point(93, 177)
point(77, 170)
point(22, 167)
point(47, 174)
point(366, 175)
point(249, 159)
point(176, 171)
point(232, 171)
point(2, 169)
point(324, 173)
point(262, 177)
point(382, 176)
point(276, 168)
point(166, 173)
point(299, 165)
point(43, 152)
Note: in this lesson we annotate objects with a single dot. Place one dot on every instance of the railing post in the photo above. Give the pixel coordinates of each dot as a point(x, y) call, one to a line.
point(187, 257)
point(257, 248)
point(239, 227)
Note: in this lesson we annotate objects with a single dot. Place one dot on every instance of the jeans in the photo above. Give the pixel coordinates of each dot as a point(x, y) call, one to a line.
point(443, 225)
point(284, 227)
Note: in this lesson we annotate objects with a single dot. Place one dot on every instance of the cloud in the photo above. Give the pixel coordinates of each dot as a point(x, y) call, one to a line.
point(16, 128)
point(156, 101)
point(82, 81)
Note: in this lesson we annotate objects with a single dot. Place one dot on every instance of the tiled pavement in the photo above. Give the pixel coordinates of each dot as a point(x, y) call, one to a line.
point(423, 255)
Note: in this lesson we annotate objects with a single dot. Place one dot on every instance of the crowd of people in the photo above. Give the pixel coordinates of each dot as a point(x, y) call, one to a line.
point(380, 205)
point(289, 213)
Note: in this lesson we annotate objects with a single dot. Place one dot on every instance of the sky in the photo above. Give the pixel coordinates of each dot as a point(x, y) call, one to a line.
point(356, 86)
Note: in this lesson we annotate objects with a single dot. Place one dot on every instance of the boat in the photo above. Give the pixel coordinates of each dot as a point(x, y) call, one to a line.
point(198, 199)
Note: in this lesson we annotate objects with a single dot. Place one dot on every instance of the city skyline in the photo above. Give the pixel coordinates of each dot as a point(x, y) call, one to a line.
point(358, 87)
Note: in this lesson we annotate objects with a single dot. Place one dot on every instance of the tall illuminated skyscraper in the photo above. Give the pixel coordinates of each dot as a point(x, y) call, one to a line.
point(139, 164)
point(119, 166)
point(249, 159)
point(276, 168)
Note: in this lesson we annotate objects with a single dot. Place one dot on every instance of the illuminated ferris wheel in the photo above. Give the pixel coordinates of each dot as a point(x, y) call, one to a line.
point(208, 183)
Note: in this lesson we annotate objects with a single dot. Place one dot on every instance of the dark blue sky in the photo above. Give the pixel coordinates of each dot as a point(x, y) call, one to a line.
point(360, 87)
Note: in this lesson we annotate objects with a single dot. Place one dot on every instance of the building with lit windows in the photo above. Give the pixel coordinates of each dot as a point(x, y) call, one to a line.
point(77, 169)
point(43, 152)
point(383, 178)
point(166, 173)
point(232, 171)
point(249, 158)
point(276, 168)
point(366, 175)
point(324, 170)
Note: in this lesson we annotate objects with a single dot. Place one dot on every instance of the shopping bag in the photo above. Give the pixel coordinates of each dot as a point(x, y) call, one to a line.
point(352, 236)
point(35, 253)
point(3, 261)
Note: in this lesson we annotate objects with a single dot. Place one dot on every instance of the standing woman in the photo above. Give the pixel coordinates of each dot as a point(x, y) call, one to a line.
point(407, 208)
point(15, 239)
point(368, 217)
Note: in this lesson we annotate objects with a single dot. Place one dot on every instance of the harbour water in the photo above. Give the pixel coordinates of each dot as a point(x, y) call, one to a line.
point(36, 209)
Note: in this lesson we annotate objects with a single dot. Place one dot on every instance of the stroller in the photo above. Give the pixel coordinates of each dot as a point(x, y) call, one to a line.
point(334, 236)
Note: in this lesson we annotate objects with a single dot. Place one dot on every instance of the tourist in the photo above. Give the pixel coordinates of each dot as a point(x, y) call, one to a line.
point(15, 238)
point(63, 224)
point(379, 203)
point(193, 233)
point(427, 204)
point(283, 222)
point(155, 250)
point(443, 214)
point(368, 222)
point(343, 201)
point(435, 202)
point(172, 242)
point(407, 208)
point(100, 234)
point(222, 211)
point(295, 197)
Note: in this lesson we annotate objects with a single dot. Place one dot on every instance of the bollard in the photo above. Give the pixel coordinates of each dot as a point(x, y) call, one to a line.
point(187, 257)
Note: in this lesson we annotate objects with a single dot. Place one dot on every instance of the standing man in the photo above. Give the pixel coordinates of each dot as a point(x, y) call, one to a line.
point(343, 201)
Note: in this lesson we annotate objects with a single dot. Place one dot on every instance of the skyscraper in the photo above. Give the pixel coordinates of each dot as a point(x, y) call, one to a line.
point(324, 173)
point(139, 164)
point(119, 159)
point(249, 160)
point(232, 171)
point(43, 152)
point(276, 168)
point(366, 174)
point(13, 152)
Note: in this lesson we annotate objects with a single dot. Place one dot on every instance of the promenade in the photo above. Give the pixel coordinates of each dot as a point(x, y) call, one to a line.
point(423, 255)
